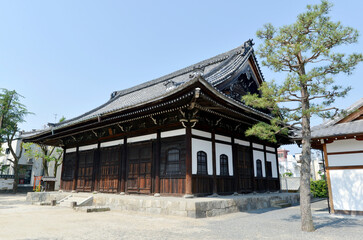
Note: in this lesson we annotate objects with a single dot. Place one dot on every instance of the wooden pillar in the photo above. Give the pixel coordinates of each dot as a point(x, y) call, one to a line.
point(123, 166)
point(62, 172)
point(157, 164)
point(278, 169)
point(328, 179)
point(188, 161)
point(235, 165)
point(75, 176)
point(267, 183)
point(214, 161)
point(253, 168)
point(96, 168)
point(119, 181)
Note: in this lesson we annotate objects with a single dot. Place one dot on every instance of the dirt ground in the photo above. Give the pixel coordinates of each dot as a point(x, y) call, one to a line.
point(21, 220)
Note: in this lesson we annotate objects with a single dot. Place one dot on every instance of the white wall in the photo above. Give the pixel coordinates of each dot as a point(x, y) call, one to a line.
point(223, 138)
point(256, 145)
point(271, 149)
point(352, 159)
point(142, 138)
point(227, 150)
point(201, 133)
point(6, 184)
point(347, 189)
point(348, 159)
point(173, 133)
point(271, 157)
point(88, 147)
point(344, 146)
point(242, 142)
point(259, 155)
point(202, 145)
point(112, 143)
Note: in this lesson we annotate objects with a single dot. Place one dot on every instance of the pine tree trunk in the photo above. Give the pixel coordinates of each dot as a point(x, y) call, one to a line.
point(305, 205)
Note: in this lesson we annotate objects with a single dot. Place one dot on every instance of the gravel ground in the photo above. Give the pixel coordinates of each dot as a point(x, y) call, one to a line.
point(20, 220)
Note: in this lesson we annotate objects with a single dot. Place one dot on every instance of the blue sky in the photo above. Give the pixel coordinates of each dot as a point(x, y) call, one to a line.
point(66, 57)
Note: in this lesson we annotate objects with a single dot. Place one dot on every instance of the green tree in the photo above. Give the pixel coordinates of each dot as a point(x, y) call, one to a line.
point(304, 50)
point(12, 112)
point(48, 154)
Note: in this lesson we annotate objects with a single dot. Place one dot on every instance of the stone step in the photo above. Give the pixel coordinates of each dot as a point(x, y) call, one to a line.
point(283, 205)
point(80, 200)
point(92, 209)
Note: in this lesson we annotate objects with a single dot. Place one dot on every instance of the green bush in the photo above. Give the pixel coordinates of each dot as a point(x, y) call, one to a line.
point(319, 188)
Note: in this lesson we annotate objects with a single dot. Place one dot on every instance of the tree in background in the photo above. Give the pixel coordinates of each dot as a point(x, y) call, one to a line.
point(12, 112)
point(304, 50)
point(48, 154)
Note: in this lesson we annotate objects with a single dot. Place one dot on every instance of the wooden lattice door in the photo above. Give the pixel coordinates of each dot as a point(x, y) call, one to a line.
point(109, 170)
point(139, 167)
point(245, 169)
point(69, 164)
point(85, 171)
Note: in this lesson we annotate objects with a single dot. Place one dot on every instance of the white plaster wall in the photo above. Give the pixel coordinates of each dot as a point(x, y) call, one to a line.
point(344, 146)
point(271, 157)
point(223, 138)
point(70, 150)
point(201, 145)
point(259, 146)
point(271, 149)
point(259, 155)
point(347, 189)
point(141, 138)
point(227, 150)
point(201, 133)
point(6, 184)
point(242, 142)
point(88, 147)
point(112, 143)
point(352, 159)
point(173, 133)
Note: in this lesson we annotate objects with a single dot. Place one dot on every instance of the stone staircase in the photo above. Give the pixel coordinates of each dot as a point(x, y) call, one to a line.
point(79, 200)
point(278, 203)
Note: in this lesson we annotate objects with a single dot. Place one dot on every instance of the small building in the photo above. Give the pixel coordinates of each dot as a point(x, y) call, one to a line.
point(181, 134)
point(341, 139)
point(291, 163)
point(288, 163)
point(28, 167)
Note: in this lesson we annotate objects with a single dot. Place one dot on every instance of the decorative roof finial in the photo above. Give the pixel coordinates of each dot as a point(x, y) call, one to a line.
point(197, 71)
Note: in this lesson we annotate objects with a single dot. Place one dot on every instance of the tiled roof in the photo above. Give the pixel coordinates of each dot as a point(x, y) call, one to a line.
point(338, 129)
point(333, 128)
point(214, 70)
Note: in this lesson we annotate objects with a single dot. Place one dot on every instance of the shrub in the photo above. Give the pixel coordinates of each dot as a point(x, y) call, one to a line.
point(319, 188)
point(287, 174)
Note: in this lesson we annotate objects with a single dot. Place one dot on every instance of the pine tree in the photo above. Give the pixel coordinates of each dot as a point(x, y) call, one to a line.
point(305, 50)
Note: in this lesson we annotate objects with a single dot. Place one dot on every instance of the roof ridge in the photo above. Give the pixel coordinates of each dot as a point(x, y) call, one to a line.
point(355, 106)
point(202, 64)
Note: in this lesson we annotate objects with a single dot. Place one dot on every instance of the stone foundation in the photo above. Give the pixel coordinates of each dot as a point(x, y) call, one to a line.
point(177, 206)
